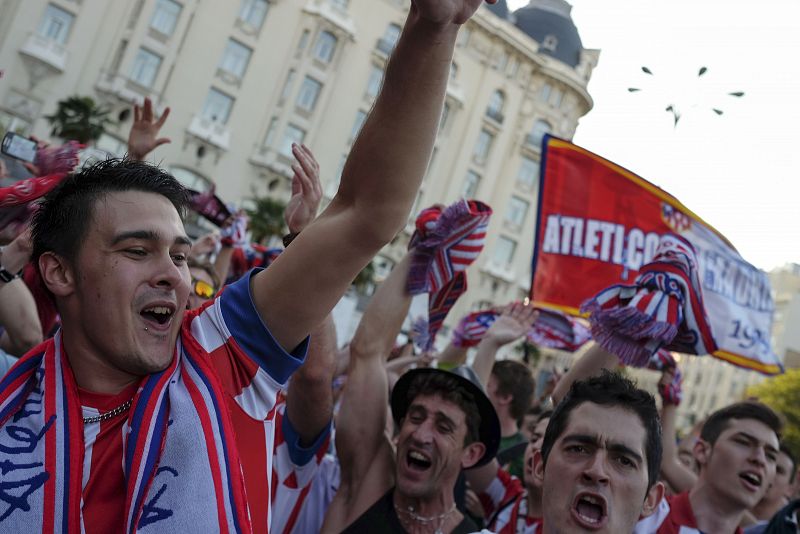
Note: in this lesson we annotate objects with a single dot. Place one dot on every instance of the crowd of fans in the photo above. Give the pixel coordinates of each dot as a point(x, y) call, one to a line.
point(155, 383)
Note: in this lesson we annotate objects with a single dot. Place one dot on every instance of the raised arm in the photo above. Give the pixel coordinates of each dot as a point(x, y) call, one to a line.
point(590, 364)
point(514, 322)
point(678, 476)
point(367, 463)
point(143, 137)
point(18, 315)
point(379, 182)
point(309, 404)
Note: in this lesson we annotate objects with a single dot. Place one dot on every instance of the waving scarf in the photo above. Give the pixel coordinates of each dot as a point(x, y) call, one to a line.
point(177, 429)
point(28, 190)
point(663, 308)
point(557, 330)
point(445, 243)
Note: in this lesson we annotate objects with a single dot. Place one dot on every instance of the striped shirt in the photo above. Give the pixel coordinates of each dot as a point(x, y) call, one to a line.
point(674, 515)
point(253, 370)
point(505, 504)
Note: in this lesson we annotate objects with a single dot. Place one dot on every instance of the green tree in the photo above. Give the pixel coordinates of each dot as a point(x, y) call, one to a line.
point(365, 277)
point(266, 218)
point(782, 394)
point(79, 118)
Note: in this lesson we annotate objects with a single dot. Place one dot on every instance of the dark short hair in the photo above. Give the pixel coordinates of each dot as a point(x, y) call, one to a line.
point(614, 390)
point(449, 388)
point(62, 221)
point(514, 379)
point(788, 452)
point(547, 414)
point(718, 421)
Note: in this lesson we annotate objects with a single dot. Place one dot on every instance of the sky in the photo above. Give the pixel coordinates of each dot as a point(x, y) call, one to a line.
point(740, 171)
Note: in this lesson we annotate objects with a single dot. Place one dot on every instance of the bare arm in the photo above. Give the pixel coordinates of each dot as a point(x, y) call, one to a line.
point(678, 476)
point(379, 182)
point(309, 405)
point(452, 355)
point(367, 464)
point(514, 322)
point(591, 363)
point(18, 315)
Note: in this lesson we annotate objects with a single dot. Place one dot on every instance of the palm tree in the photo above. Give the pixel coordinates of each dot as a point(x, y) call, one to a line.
point(79, 118)
point(266, 218)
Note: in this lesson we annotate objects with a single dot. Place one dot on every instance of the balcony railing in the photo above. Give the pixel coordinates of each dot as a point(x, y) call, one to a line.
point(210, 131)
point(45, 50)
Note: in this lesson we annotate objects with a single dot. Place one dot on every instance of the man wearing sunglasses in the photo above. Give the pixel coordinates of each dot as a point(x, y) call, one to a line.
point(205, 282)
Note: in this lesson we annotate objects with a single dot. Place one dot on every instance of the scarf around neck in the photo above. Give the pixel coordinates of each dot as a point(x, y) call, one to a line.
point(180, 460)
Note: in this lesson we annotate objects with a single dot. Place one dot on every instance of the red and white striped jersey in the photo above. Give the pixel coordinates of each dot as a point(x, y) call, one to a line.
point(674, 515)
point(253, 370)
point(505, 503)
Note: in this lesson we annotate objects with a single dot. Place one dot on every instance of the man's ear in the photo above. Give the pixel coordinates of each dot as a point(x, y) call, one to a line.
point(538, 466)
point(57, 274)
point(652, 499)
point(702, 452)
point(472, 454)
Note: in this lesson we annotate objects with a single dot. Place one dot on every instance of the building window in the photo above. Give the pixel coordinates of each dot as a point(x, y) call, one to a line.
point(190, 179)
point(235, 58)
point(544, 92)
point(504, 251)
point(453, 71)
point(309, 92)
point(445, 116)
point(496, 104)
point(517, 211)
point(145, 68)
point(303, 42)
point(341, 4)
point(540, 128)
point(273, 128)
point(287, 85)
point(556, 98)
point(375, 80)
point(325, 47)
point(165, 16)
point(471, 184)
point(361, 116)
point(483, 146)
point(217, 107)
point(56, 24)
point(387, 43)
point(292, 135)
point(550, 43)
point(253, 12)
point(528, 173)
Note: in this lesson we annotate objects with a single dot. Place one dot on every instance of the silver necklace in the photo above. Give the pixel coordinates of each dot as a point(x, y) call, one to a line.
point(425, 521)
point(122, 408)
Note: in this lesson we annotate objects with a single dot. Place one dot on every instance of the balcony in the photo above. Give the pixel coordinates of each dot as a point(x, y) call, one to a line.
point(124, 88)
point(210, 131)
point(45, 50)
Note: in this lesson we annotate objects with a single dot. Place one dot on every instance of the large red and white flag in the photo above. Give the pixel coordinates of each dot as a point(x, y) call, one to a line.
point(599, 223)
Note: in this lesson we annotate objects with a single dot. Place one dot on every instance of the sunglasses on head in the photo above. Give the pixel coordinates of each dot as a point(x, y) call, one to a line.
point(203, 289)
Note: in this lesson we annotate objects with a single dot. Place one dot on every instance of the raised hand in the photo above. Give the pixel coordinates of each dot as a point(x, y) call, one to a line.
point(143, 137)
point(205, 245)
point(514, 322)
point(447, 11)
point(306, 190)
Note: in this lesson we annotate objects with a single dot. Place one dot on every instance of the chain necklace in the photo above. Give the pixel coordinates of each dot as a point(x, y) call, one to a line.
point(122, 408)
point(422, 520)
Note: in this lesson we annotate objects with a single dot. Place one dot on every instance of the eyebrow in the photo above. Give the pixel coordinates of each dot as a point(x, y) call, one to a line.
point(587, 439)
point(148, 235)
point(752, 439)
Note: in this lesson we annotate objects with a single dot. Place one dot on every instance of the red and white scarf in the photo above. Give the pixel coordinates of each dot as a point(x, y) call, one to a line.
point(177, 428)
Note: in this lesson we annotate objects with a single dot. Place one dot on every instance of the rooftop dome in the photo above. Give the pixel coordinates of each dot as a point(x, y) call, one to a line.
point(500, 8)
point(549, 23)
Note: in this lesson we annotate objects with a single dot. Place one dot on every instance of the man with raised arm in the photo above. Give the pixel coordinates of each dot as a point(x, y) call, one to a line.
point(446, 422)
point(140, 413)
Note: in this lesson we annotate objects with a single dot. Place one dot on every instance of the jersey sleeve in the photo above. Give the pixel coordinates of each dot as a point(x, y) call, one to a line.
point(502, 490)
point(250, 363)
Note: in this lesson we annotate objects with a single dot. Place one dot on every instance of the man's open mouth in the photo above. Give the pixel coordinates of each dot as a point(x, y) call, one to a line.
point(590, 510)
point(418, 461)
point(159, 316)
point(752, 481)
